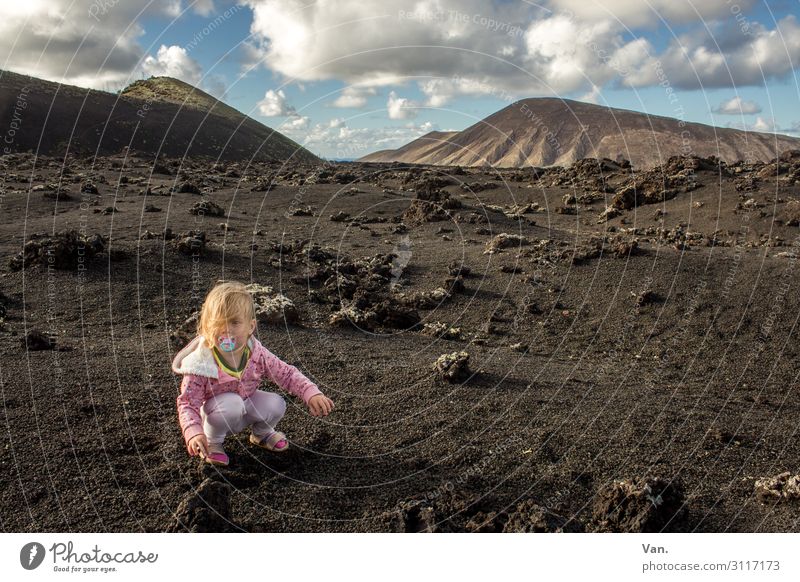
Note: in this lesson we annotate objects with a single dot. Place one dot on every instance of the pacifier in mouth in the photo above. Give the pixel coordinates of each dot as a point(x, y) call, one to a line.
point(226, 343)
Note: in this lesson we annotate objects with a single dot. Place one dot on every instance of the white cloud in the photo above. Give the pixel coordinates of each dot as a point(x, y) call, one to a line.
point(294, 124)
point(334, 139)
point(440, 92)
point(693, 61)
point(520, 48)
point(762, 124)
point(203, 7)
point(173, 61)
point(516, 47)
point(400, 107)
point(592, 96)
point(274, 104)
point(81, 42)
point(736, 106)
point(354, 97)
point(768, 125)
point(569, 55)
point(216, 85)
point(632, 13)
point(90, 43)
point(372, 43)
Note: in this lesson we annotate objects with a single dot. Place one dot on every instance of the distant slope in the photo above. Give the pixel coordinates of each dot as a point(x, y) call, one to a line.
point(421, 146)
point(157, 116)
point(545, 131)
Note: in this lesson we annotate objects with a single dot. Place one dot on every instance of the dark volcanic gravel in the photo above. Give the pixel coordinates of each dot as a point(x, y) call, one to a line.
point(646, 354)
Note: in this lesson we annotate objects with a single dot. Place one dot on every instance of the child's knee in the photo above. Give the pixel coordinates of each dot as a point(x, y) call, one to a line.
point(224, 407)
point(271, 406)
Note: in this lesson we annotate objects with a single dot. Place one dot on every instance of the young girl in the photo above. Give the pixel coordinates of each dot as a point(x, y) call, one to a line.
point(222, 368)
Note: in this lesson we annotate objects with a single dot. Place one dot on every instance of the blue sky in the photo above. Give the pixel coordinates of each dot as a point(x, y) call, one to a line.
point(345, 78)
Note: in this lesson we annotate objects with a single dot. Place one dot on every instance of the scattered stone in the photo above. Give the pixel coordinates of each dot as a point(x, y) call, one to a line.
point(503, 241)
point(529, 517)
point(302, 211)
point(476, 187)
point(427, 299)
point(442, 330)
point(453, 367)
point(206, 509)
point(207, 208)
point(638, 505)
point(191, 243)
point(36, 340)
point(188, 188)
point(454, 285)
point(387, 313)
point(57, 193)
point(783, 487)
point(351, 316)
point(792, 212)
point(645, 297)
point(271, 307)
point(430, 206)
point(457, 269)
point(64, 250)
point(340, 217)
point(159, 168)
point(89, 188)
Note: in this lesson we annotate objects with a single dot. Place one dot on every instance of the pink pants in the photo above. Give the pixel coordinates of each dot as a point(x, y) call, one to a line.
point(230, 413)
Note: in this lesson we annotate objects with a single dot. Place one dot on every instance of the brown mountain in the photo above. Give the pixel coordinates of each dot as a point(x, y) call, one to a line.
point(545, 132)
point(157, 116)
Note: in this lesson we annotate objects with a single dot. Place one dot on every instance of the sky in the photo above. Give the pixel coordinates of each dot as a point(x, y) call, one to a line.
point(348, 77)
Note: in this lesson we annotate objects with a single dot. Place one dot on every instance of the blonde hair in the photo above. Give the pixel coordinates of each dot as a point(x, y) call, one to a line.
point(223, 303)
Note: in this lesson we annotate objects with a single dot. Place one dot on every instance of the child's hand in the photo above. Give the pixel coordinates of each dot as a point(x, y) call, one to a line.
point(320, 405)
point(199, 445)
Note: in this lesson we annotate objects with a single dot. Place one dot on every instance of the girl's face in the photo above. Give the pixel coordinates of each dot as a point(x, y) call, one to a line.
point(238, 330)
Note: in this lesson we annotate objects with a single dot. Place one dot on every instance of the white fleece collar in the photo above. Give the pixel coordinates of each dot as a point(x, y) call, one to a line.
point(196, 358)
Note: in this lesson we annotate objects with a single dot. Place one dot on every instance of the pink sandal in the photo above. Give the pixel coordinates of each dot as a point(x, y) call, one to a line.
point(216, 455)
point(275, 442)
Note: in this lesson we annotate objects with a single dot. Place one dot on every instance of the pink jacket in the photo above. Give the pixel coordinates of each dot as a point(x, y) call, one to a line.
point(203, 378)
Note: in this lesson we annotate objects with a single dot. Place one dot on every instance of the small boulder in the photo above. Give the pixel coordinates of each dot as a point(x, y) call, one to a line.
point(783, 487)
point(453, 367)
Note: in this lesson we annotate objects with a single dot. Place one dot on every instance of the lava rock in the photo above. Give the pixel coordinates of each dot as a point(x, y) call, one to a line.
point(36, 340)
point(64, 250)
point(207, 208)
point(503, 241)
point(191, 243)
point(783, 487)
point(188, 188)
point(206, 509)
point(529, 517)
point(638, 505)
point(453, 367)
point(271, 307)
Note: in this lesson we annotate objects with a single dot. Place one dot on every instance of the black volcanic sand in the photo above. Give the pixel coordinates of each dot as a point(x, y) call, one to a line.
point(655, 382)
